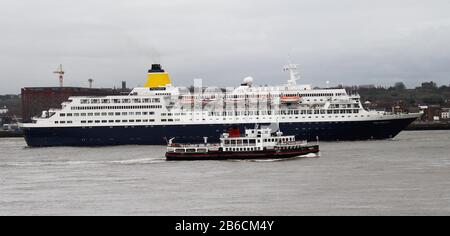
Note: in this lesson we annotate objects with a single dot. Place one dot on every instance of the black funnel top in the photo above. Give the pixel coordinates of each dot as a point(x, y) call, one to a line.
point(156, 68)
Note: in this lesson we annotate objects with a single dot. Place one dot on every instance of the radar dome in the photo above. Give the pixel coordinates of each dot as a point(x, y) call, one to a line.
point(248, 80)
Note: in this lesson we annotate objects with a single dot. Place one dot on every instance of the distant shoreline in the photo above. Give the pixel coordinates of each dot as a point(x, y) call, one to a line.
point(428, 126)
point(6, 134)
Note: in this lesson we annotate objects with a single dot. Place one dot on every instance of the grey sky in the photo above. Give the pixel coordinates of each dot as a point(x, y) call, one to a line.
point(222, 41)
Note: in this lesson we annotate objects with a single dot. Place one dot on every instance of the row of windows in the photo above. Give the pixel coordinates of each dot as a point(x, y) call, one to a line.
point(241, 142)
point(355, 105)
point(320, 94)
point(235, 96)
point(115, 107)
point(279, 95)
point(284, 112)
point(171, 120)
point(118, 100)
point(106, 121)
point(243, 149)
point(138, 113)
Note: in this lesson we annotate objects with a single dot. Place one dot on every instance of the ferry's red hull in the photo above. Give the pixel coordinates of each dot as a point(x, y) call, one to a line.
point(266, 154)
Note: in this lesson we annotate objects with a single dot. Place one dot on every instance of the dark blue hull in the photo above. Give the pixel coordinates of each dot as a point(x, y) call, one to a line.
point(155, 135)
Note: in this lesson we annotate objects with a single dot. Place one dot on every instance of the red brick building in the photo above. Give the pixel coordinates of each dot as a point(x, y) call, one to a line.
point(37, 99)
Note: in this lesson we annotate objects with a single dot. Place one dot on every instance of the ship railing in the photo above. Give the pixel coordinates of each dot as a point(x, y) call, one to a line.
point(240, 145)
point(177, 145)
point(290, 143)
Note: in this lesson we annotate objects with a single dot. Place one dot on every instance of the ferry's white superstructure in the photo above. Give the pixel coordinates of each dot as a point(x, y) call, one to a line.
point(150, 114)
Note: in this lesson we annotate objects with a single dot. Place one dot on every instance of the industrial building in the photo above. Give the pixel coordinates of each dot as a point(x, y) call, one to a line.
point(37, 99)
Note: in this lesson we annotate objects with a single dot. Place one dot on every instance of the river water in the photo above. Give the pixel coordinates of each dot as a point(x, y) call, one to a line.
point(409, 175)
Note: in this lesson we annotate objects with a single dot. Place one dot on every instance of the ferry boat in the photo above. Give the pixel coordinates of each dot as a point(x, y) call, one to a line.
point(255, 144)
point(159, 109)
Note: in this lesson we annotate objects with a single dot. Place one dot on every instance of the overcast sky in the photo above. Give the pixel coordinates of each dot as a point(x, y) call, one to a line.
point(222, 41)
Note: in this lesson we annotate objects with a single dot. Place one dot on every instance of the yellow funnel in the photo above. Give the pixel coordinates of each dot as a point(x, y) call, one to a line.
point(157, 77)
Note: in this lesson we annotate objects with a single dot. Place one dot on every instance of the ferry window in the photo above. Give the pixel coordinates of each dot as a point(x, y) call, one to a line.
point(97, 121)
point(137, 100)
point(152, 120)
point(252, 141)
point(110, 113)
point(83, 121)
point(97, 114)
point(89, 121)
point(69, 114)
point(84, 101)
point(95, 101)
point(116, 100)
point(76, 114)
point(124, 121)
point(124, 113)
point(104, 114)
point(104, 121)
point(62, 114)
point(117, 121)
point(126, 100)
point(138, 120)
point(56, 122)
point(69, 122)
point(131, 121)
point(144, 120)
point(62, 122)
point(144, 113)
point(110, 121)
point(105, 100)
point(130, 113)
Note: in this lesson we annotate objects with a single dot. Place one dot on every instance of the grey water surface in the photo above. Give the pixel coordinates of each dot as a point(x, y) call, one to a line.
point(409, 175)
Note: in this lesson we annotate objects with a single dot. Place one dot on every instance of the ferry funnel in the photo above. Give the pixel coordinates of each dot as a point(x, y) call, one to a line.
point(157, 77)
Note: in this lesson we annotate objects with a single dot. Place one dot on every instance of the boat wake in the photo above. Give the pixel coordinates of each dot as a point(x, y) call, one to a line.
point(310, 155)
point(140, 161)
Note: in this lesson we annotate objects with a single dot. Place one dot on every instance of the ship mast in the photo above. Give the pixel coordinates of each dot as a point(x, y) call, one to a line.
point(293, 73)
point(60, 72)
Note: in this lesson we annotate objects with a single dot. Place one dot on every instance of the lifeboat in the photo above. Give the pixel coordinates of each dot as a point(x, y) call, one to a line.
point(290, 99)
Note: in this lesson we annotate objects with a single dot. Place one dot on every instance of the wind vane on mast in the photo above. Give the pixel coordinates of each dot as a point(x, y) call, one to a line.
point(60, 72)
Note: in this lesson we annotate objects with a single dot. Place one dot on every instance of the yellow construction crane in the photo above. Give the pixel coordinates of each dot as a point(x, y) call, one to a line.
point(60, 72)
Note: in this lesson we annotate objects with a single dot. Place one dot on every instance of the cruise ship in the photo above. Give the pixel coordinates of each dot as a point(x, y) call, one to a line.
point(158, 111)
